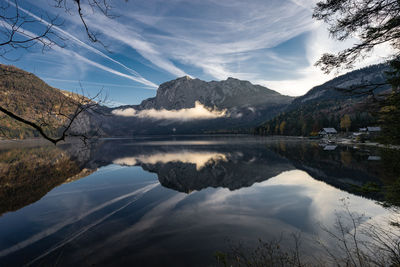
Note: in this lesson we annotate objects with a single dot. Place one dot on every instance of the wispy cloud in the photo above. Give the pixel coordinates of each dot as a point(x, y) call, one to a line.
point(198, 112)
point(113, 71)
point(224, 45)
point(318, 43)
point(95, 83)
point(233, 42)
point(251, 40)
point(237, 40)
point(135, 76)
point(131, 38)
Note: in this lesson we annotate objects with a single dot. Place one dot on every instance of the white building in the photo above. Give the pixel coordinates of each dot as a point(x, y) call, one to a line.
point(328, 131)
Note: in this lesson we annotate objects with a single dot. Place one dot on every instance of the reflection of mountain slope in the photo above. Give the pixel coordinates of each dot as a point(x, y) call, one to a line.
point(199, 167)
point(344, 168)
point(186, 178)
point(238, 171)
point(246, 163)
point(29, 173)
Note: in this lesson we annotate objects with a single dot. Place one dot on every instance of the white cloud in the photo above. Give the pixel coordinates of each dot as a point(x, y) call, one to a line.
point(319, 43)
point(223, 46)
point(198, 112)
point(129, 37)
point(220, 40)
point(83, 59)
point(113, 71)
point(135, 76)
point(220, 45)
point(95, 83)
point(226, 48)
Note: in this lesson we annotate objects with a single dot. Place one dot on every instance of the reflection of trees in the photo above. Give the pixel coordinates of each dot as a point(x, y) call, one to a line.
point(348, 168)
point(390, 164)
point(390, 169)
point(392, 196)
point(345, 157)
point(27, 174)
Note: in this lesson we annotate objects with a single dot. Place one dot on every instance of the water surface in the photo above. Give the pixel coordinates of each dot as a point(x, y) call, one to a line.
point(175, 201)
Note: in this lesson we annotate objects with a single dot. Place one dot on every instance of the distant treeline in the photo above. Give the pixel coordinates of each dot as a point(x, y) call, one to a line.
point(308, 120)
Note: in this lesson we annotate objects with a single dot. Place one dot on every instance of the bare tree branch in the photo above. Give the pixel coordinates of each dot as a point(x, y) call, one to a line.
point(374, 22)
point(14, 35)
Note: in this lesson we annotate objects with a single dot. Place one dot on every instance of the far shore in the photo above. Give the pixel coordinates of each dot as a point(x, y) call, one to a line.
point(338, 141)
point(347, 141)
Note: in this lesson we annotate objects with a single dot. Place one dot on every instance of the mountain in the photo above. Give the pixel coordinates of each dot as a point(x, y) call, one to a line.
point(358, 78)
point(242, 104)
point(231, 93)
point(326, 104)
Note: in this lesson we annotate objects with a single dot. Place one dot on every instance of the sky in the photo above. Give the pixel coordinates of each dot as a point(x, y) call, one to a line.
point(274, 43)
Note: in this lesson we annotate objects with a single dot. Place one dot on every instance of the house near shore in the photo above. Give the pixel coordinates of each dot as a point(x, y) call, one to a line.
point(370, 129)
point(328, 132)
point(330, 147)
point(375, 129)
point(366, 133)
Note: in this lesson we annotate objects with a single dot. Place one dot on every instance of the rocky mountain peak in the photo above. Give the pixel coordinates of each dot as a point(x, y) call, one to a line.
point(183, 92)
point(183, 78)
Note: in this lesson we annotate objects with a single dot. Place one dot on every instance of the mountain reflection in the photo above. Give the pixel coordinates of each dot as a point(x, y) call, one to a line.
point(28, 172)
point(196, 166)
point(199, 159)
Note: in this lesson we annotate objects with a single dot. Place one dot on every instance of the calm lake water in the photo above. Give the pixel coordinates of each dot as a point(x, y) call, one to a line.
point(176, 201)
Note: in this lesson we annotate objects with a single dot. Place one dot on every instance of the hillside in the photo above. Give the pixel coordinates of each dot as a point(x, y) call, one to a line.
point(325, 105)
point(31, 98)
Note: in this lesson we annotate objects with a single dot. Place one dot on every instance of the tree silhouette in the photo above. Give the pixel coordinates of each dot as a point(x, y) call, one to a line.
point(373, 22)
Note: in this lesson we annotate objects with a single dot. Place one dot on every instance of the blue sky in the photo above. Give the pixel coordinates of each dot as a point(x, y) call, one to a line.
point(274, 43)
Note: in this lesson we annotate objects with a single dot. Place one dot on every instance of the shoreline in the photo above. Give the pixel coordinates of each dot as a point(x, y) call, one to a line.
point(345, 141)
point(338, 141)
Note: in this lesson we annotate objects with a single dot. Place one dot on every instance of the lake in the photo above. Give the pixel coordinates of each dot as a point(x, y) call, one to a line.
point(177, 201)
